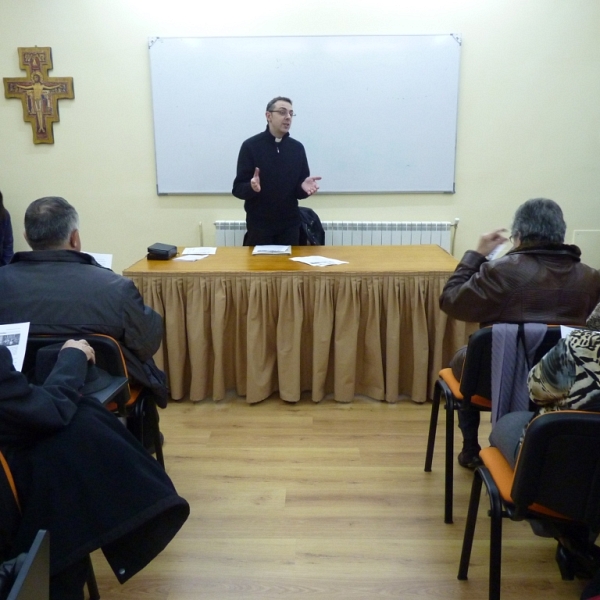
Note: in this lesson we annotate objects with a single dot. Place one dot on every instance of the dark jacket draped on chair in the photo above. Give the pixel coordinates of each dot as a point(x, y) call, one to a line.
point(80, 474)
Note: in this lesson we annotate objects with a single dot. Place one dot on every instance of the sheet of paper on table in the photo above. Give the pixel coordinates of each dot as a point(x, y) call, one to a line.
point(200, 250)
point(14, 337)
point(319, 261)
point(191, 257)
point(272, 249)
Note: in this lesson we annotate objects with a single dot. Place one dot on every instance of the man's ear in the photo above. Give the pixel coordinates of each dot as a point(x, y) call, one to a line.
point(75, 241)
point(26, 238)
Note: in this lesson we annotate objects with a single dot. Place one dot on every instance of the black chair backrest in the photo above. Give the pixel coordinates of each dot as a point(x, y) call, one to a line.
point(477, 372)
point(33, 579)
point(108, 355)
point(559, 466)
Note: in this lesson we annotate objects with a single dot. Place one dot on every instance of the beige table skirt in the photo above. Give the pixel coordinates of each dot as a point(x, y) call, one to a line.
point(377, 334)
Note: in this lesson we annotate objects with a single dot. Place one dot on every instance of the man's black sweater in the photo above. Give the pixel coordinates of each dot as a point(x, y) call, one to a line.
point(283, 167)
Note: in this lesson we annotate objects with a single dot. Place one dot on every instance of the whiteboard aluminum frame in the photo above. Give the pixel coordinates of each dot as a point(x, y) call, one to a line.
point(376, 113)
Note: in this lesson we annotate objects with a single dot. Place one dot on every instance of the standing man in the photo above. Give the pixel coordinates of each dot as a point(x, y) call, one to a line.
point(272, 174)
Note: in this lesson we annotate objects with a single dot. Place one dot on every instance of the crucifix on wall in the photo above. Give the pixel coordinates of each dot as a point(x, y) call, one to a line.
point(39, 93)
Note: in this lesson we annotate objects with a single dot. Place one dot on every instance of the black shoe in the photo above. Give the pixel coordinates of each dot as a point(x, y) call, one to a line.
point(566, 563)
point(469, 459)
point(574, 560)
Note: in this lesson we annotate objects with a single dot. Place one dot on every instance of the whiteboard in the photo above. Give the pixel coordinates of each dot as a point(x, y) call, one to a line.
point(375, 113)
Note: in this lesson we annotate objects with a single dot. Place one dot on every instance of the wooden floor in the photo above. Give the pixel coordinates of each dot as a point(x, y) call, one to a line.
point(322, 502)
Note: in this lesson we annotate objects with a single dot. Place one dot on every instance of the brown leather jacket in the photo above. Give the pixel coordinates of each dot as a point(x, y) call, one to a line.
point(532, 284)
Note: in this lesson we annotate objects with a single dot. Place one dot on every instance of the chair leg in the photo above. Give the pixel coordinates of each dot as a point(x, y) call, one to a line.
point(156, 434)
point(495, 546)
point(496, 514)
point(433, 420)
point(449, 474)
point(92, 585)
point(465, 555)
point(146, 407)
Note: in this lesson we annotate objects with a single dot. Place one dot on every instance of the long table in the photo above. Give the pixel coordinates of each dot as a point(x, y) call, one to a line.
point(261, 324)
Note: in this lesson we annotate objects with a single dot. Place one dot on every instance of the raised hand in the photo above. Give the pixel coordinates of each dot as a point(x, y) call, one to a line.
point(309, 185)
point(490, 241)
point(255, 181)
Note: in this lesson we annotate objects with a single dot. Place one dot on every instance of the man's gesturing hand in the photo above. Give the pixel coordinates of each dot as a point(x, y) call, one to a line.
point(309, 185)
point(255, 181)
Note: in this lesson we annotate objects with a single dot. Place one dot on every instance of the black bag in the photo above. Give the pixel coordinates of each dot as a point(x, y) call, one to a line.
point(161, 251)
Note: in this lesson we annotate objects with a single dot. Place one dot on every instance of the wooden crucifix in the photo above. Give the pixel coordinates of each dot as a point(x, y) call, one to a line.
point(39, 93)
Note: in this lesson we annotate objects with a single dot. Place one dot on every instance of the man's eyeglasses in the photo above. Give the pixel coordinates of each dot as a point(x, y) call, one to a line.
point(284, 112)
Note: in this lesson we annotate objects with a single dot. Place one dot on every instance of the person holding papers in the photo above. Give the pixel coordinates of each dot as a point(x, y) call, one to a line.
point(60, 290)
point(272, 174)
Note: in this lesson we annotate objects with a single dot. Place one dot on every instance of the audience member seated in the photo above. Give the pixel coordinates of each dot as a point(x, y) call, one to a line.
point(81, 475)
point(567, 378)
point(540, 280)
point(6, 235)
point(61, 290)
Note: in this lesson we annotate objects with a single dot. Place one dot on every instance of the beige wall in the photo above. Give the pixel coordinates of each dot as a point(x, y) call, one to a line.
point(528, 124)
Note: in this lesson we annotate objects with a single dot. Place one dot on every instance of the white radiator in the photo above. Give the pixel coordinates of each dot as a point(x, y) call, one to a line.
point(359, 233)
point(230, 233)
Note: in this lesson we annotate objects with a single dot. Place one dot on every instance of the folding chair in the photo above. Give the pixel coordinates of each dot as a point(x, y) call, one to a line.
point(131, 401)
point(33, 579)
point(474, 389)
point(556, 479)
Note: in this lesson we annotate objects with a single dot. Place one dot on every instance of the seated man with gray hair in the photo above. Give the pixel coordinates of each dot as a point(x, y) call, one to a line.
point(540, 280)
point(60, 290)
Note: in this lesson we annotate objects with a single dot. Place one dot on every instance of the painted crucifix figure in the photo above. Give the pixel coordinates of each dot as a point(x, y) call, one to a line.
point(39, 93)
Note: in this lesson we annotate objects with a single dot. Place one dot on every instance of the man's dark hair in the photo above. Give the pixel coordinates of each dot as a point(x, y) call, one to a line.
point(539, 220)
point(2, 209)
point(49, 223)
point(272, 103)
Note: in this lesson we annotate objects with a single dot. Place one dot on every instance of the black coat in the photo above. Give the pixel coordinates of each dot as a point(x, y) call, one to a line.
point(283, 167)
point(81, 475)
point(67, 292)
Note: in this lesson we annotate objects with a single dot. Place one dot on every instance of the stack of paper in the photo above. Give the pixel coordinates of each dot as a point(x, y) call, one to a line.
point(272, 249)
